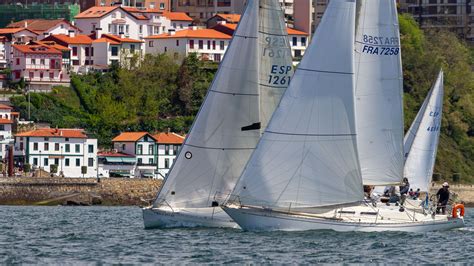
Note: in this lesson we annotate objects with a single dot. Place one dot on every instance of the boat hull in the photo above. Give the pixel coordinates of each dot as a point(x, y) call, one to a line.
point(263, 220)
point(185, 218)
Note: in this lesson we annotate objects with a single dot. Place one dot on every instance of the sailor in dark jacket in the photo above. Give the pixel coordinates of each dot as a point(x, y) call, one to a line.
point(404, 188)
point(443, 197)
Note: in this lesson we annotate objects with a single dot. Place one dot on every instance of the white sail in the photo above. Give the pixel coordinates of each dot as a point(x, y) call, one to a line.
point(379, 90)
point(227, 127)
point(421, 140)
point(307, 156)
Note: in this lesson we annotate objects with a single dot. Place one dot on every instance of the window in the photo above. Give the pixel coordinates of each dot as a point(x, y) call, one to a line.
point(46, 146)
point(162, 6)
point(221, 45)
point(74, 51)
point(140, 149)
point(66, 162)
point(46, 161)
point(114, 50)
point(32, 75)
point(208, 45)
point(78, 148)
point(175, 149)
point(86, 51)
point(41, 75)
point(150, 149)
point(150, 44)
point(90, 162)
point(191, 44)
point(295, 41)
point(201, 44)
point(42, 62)
point(67, 148)
point(213, 45)
point(33, 61)
point(132, 48)
point(123, 147)
point(67, 139)
point(217, 57)
point(56, 161)
point(140, 29)
point(167, 163)
point(167, 149)
point(92, 51)
point(150, 161)
point(35, 146)
point(78, 162)
point(75, 62)
point(177, 42)
point(91, 148)
point(18, 61)
point(139, 161)
point(56, 146)
point(51, 75)
point(303, 41)
point(21, 146)
point(35, 161)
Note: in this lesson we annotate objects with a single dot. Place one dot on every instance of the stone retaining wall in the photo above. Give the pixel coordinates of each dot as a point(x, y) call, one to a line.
point(53, 191)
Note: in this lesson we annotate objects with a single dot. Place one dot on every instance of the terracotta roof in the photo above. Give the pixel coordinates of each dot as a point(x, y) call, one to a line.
point(36, 49)
point(53, 132)
point(105, 40)
point(5, 121)
point(14, 30)
point(52, 44)
point(119, 39)
point(39, 25)
point(296, 32)
point(189, 33)
point(96, 12)
point(113, 154)
point(177, 16)
point(77, 39)
point(230, 18)
point(169, 138)
point(4, 106)
point(131, 136)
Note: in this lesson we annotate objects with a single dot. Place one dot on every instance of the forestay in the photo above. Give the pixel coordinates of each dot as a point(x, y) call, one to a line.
point(307, 156)
point(228, 125)
point(421, 140)
point(379, 90)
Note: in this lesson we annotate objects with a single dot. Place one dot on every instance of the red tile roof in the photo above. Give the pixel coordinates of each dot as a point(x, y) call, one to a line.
point(177, 16)
point(96, 12)
point(4, 121)
point(54, 132)
point(296, 32)
point(14, 30)
point(51, 44)
point(113, 154)
point(5, 107)
point(131, 136)
point(230, 18)
point(36, 49)
point(39, 25)
point(169, 138)
point(119, 39)
point(103, 39)
point(77, 39)
point(189, 33)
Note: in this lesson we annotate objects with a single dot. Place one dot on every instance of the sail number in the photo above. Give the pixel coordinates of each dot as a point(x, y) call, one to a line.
point(279, 75)
point(377, 40)
point(276, 41)
point(277, 52)
point(374, 45)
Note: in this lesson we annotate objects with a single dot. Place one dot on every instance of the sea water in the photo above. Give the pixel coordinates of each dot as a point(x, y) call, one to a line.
point(93, 235)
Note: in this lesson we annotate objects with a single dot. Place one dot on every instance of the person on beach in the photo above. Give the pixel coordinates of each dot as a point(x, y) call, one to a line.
point(443, 198)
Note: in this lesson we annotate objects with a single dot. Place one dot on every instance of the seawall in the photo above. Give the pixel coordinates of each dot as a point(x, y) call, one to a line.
point(85, 191)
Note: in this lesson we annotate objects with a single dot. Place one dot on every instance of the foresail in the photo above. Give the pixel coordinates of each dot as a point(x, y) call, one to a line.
point(421, 141)
point(226, 129)
point(276, 67)
point(379, 90)
point(307, 156)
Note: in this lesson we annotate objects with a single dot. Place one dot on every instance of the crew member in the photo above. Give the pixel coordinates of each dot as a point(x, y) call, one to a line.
point(404, 188)
point(443, 197)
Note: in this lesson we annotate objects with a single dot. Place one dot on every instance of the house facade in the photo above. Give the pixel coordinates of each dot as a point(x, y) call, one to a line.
point(72, 152)
point(80, 46)
point(168, 146)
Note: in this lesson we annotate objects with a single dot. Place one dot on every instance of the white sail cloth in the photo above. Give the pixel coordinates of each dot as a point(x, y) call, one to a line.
point(227, 127)
point(421, 140)
point(379, 90)
point(307, 156)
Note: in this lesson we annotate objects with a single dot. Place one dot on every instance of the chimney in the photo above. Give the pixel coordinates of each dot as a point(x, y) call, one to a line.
point(222, 22)
point(98, 33)
point(171, 32)
point(71, 33)
point(168, 131)
point(121, 34)
point(26, 24)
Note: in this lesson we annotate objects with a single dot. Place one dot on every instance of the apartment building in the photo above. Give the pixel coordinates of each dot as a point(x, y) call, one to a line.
point(202, 10)
point(208, 44)
point(168, 144)
point(39, 65)
point(454, 15)
point(71, 151)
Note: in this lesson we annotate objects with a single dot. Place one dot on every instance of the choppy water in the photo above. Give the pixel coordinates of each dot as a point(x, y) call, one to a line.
point(115, 235)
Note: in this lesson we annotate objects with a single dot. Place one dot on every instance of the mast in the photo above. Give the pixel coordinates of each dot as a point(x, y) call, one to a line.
point(379, 90)
point(307, 156)
point(421, 140)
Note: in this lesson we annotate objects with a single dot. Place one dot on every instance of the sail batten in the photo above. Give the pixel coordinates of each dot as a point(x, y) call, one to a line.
point(379, 90)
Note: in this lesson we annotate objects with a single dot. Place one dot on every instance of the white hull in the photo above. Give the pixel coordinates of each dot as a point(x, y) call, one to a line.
point(163, 217)
point(253, 219)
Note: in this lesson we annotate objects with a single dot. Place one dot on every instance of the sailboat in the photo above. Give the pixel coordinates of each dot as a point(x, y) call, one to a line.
point(305, 173)
point(248, 86)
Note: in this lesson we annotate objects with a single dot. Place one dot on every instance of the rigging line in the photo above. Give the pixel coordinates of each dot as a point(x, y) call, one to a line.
point(325, 71)
point(310, 135)
point(214, 148)
point(273, 34)
point(233, 93)
point(245, 37)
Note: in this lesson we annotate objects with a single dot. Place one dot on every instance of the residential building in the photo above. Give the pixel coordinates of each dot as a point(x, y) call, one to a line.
point(142, 145)
point(287, 6)
point(111, 49)
point(163, 5)
point(454, 15)
point(40, 65)
point(81, 52)
point(308, 13)
point(208, 44)
point(3, 52)
point(116, 164)
point(9, 36)
point(7, 119)
point(169, 144)
point(45, 27)
point(202, 10)
point(72, 152)
point(220, 18)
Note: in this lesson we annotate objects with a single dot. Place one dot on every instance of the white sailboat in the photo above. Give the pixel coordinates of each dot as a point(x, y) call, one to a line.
point(305, 173)
point(247, 88)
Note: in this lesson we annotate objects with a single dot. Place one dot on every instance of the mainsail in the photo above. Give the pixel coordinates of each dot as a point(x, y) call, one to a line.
point(379, 90)
point(228, 125)
point(421, 140)
point(307, 156)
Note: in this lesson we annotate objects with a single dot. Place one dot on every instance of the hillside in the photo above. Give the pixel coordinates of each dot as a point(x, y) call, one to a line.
point(161, 94)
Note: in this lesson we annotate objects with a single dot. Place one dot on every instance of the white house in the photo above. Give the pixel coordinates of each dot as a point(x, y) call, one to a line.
point(45, 27)
point(116, 164)
point(81, 50)
point(6, 122)
point(208, 44)
point(112, 49)
point(168, 147)
point(10, 36)
point(70, 150)
point(142, 145)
